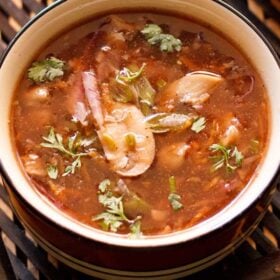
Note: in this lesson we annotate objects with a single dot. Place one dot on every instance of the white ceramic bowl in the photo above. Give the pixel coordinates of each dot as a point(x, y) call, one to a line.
point(191, 249)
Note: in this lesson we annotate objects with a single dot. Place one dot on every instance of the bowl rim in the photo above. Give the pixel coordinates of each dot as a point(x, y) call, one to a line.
point(7, 179)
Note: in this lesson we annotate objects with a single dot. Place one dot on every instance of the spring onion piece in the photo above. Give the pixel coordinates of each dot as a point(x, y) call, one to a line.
point(174, 198)
point(165, 122)
point(131, 86)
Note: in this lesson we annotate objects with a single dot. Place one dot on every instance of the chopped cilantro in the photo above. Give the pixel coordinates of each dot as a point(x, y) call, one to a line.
point(198, 125)
point(46, 70)
point(224, 156)
point(114, 216)
point(52, 171)
point(167, 42)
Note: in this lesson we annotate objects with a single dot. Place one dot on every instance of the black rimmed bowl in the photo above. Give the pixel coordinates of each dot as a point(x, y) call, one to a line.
point(112, 256)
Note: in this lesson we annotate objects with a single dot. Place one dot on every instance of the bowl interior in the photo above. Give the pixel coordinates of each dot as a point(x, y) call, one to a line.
point(63, 14)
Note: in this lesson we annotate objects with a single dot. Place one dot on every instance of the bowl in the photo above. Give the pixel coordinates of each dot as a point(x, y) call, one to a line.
point(111, 256)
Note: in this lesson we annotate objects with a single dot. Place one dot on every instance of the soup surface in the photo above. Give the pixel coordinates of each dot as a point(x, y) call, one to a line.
point(140, 124)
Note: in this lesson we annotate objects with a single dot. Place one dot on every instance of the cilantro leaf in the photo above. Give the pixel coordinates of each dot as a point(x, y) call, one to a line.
point(46, 70)
point(52, 171)
point(70, 169)
point(104, 185)
point(198, 125)
point(167, 42)
point(114, 216)
point(151, 30)
point(174, 200)
point(55, 141)
point(238, 156)
point(109, 221)
point(225, 156)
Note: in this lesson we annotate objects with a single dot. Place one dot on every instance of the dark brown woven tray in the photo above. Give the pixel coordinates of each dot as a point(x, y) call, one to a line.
point(258, 258)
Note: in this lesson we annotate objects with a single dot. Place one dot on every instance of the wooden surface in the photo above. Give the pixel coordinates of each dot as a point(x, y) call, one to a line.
point(258, 258)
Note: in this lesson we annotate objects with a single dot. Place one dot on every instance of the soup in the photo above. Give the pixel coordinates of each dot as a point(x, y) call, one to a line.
point(140, 124)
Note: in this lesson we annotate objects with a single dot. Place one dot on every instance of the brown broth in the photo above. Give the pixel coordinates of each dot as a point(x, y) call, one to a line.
point(241, 96)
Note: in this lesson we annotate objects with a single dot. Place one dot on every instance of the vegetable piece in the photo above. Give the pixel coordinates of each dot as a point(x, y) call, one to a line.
point(231, 130)
point(174, 198)
point(224, 156)
point(46, 70)
point(161, 83)
point(198, 125)
point(172, 156)
point(127, 76)
point(146, 95)
point(113, 216)
point(121, 92)
point(255, 146)
point(52, 171)
point(34, 165)
point(131, 86)
point(194, 89)
point(167, 42)
point(133, 204)
point(165, 122)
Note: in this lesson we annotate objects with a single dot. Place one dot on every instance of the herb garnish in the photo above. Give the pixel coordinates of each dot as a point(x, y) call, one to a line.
point(198, 125)
point(55, 141)
point(135, 230)
point(52, 171)
point(46, 70)
point(225, 156)
point(174, 198)
point(113, 216)
point(70, 169)
point(167, 42)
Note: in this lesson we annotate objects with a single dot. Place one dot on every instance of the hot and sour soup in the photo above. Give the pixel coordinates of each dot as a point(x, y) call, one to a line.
point(140, 124)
